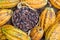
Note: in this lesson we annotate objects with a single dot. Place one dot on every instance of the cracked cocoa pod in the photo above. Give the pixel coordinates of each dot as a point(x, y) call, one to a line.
point(55, 3)
point(25, 18)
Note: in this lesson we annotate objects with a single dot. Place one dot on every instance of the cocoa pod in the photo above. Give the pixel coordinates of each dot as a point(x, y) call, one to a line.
point(5, 15)
point(47, 18)
point(25, 18)
point(14, 33)
point(2, 36)
point(37, 32)
point(54, 32)
point(36, 4)
point(8, 3)
point(55, 3)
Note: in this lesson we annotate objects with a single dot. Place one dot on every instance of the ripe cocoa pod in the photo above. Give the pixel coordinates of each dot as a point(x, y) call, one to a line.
point(57, 19)
point(47, 18)
point(54, 32)
point(8, 3)
point(36, 4)
point(58, 15)
point(14, 33)
point(55, 3)
point(5, 15)
point(2, 36)
point(37, 32)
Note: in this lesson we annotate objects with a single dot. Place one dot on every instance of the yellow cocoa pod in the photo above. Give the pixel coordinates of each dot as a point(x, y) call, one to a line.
point(36, 4)
point(2, 36)
point(55, 3)
point(54, 32)
point(58, 15)
point(47, 18)
point(14, 33)
point(54, 24)
point(8, 3)
point(5, 15)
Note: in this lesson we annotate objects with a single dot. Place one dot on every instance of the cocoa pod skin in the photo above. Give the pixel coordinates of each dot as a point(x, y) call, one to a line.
point(37, 32)
point(47, 18)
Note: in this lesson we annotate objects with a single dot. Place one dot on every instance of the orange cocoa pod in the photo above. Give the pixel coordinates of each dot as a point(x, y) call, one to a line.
point(37, 32)
point(55, 3)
